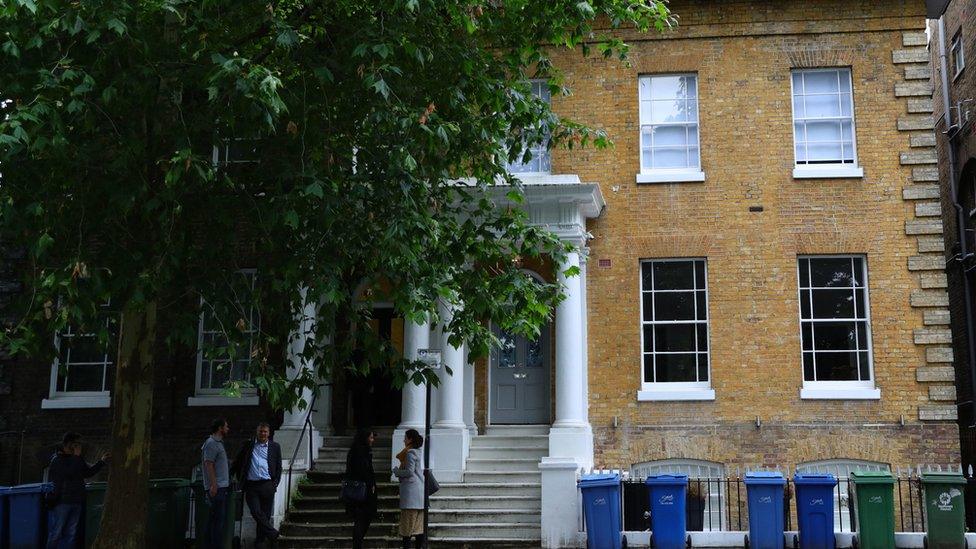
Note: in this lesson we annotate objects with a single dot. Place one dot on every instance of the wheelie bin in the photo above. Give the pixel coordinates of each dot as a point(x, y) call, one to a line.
point(201, 511)
point(874, 509)
point(601, 510)
point(94, 503)
point(3, 517)
point(815, 510)
point(945, 510)
point(27, 517)
point(667, 494)
point(765, 490)
point(169, 511)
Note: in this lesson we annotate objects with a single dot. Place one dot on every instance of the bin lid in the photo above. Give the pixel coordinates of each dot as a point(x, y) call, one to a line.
point(666, 480)
point(943, 477)
point(814, 479)
point(601, 479)
point(169, 483)
point(872, 477)
point(96, 485)
point(36, 488)
point(765, 477)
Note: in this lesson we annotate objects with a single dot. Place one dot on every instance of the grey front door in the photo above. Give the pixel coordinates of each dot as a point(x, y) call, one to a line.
point(519, 376)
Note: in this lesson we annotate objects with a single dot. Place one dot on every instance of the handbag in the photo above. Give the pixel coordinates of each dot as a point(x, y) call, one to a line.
point(431, 484)
point(353, 491)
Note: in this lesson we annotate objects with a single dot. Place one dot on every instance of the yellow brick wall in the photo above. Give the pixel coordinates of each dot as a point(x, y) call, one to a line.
point(742, 53)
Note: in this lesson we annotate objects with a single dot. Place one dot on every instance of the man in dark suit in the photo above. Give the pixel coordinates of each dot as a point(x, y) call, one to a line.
point(258, 467)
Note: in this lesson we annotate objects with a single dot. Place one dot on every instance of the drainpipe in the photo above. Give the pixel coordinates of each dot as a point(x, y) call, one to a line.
point(960, 222)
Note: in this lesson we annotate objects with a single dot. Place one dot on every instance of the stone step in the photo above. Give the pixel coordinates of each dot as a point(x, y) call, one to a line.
point(476, 465)
point(486, 516)
point(514, 441)
point(533, 501)
point(391, 542)
point(336, 529)
point(332, 501)
point(345, 441)
point(510, 430)
point(336, 477)
point(486, 531)
point(338, 515)
point(333, 452)
point(491, 488)
point(380, 466)
point(497, 477)
point(500, 452)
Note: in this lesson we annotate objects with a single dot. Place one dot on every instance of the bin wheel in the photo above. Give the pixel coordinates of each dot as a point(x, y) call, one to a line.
point(745, 543)
point(925, 541)
point(796, 542)
point(650, 542)
point(854, 542)
point(623, 542)
point(688, 542)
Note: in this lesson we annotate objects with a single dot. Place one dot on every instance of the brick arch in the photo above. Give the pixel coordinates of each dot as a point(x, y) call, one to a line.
point(817, 57)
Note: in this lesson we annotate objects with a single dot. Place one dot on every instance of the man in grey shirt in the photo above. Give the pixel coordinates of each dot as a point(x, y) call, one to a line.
point(216, 481)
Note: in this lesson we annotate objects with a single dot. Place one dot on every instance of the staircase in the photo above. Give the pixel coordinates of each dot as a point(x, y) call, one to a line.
point(499, 502)
point(498, 505)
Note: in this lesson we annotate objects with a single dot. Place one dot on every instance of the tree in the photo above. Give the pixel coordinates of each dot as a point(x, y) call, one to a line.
point(147, 147)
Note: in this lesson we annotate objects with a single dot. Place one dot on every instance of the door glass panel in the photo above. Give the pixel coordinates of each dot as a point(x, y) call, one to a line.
point(506, 350)
point(533, 353)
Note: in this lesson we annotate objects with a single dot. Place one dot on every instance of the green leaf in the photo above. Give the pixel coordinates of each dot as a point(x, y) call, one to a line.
point(315, 189)
point(116, 25)
point(382, 88)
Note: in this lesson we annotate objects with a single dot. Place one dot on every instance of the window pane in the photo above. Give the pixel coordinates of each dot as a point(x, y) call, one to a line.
point(691, 86)
point(845, 105)
point(820, 82)
point(702, 337)
point(645, 114)
point(804, 273)
point(670, 158)
point(648, 368)
point(806, 331)
point(831, 272)
point(820, 152)
point(645, 88)
point(648, 338)
point(838, 336)
point(674, 337)
point(702, 366)
point(823, 131)
point(84, 378)
point(845, 80)
point(669, 136)
point(506, 350)
point(798, 110)
point(648, 306)
point(837, 367)
point(808, 371)
point(647, 160)
point(820, 106)
point(702, 306)
point(667, 87)
point(700, 281)
point(646, 275)
point(673, 275)
point(674, 306)
point(864, 363)
point(693, 157)
point(84, 349)
point(833, 303)
point(805, 304)
point(676, 368)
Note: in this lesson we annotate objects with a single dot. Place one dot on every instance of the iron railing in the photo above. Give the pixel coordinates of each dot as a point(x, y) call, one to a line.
point(306, 426)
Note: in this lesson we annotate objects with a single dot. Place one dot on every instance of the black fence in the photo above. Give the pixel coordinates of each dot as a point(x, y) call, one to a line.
point(721, 504)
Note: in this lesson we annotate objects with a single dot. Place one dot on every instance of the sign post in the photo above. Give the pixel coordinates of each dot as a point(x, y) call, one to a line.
point(432, 358)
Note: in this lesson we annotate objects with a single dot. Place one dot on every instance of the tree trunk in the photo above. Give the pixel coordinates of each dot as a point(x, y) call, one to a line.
point(124, 518)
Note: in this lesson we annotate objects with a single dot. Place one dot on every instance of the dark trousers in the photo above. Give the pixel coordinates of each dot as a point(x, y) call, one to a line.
point(362, 515)
point(217, 521)
point(62, 526)
point(260, 495)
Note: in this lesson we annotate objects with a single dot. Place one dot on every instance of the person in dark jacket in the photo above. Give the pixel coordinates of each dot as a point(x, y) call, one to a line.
point(68, 471)
point(258, 468)
point(359, 466)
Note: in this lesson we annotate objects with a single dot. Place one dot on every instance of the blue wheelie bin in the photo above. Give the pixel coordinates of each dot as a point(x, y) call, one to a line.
point(27, 518)
point(815, 510)
point(3, 517)
point(601, 510)
point(667, 495)
point(765, 494)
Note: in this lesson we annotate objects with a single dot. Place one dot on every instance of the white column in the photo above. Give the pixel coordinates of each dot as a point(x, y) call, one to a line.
point(571, 435)
point(290, 435)
point(450, 405)
point(469, 395)
point(569, 351)
point(415, 336)
point(586, 336)
point(414, 397)
point(449, 434)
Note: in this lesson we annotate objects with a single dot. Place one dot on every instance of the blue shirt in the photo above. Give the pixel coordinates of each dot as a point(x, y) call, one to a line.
point(259, 462)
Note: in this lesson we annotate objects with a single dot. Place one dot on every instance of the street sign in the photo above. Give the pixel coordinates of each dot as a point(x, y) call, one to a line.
point(430, 357)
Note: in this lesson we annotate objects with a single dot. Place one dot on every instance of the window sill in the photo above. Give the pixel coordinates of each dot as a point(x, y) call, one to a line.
point(671, 176)
point(73, 402)
point(858, 393)
point(667, 395)
point(827, 172)
point(220, 400)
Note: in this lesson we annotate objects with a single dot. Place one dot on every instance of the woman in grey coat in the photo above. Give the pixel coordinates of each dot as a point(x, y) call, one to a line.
point(411, 476)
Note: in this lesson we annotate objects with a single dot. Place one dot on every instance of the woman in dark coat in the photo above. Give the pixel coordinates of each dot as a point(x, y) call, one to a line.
point(359, 466)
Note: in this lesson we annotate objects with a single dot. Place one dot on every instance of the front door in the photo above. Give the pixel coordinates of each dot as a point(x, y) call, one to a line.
point(519, 376)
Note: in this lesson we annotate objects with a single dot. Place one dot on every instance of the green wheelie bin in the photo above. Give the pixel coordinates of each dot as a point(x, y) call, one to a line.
point(94, 503)
point(168, 513)
point(875, 509)
point(945, 510)
point(201, 512)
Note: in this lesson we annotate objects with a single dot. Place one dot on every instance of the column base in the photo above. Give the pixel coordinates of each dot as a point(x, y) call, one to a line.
point(572, 441)
point(449, 452)
point(287, 437)
point(560, 503)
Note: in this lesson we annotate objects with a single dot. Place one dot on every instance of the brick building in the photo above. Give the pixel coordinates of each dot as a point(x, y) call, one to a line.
point(953, 44)
point(762, 274)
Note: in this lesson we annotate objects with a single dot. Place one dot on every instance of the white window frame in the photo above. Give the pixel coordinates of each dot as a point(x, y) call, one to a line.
point(540, 149)
point(215, 397)
point(695, 469)
point(826, 170)
point(675, 390)
point(221, 152)
point(842, 469)
point(668, 175)
point(958, 54)
point(838, 390)
point(79, 399)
